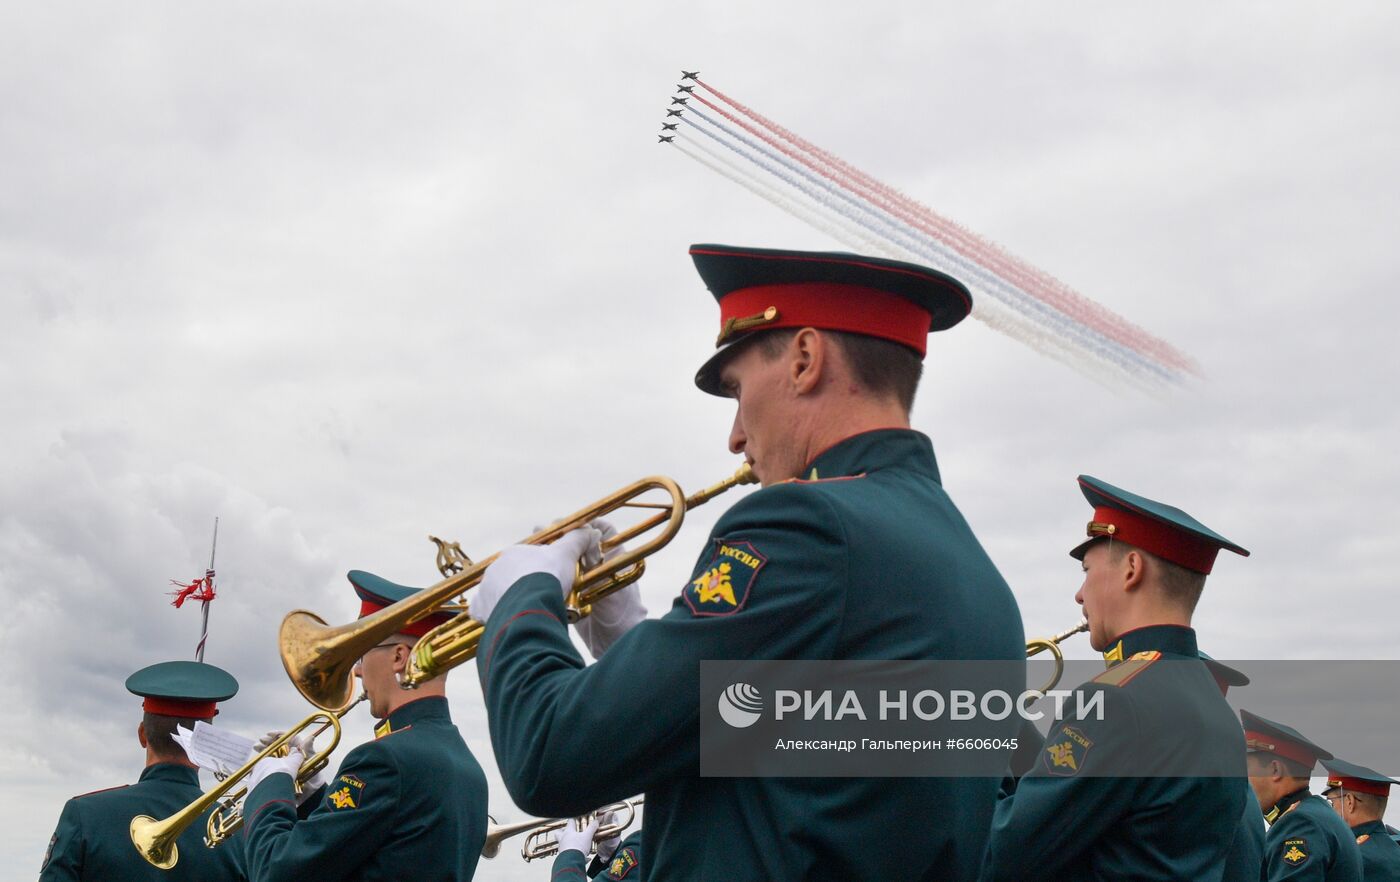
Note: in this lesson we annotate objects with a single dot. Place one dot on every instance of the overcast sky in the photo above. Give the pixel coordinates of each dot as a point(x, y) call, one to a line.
point(345, 274)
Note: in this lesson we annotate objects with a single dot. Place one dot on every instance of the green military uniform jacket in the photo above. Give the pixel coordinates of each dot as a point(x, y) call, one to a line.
point(410, 804)
point(1160, 706)
point(869, 559)
point(1380, 855)
point(626, 863)
point(1245, 862)
point(93, 838)
point(1307, 840)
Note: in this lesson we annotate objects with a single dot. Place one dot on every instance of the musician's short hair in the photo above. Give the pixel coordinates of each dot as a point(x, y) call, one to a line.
point(160, 732)
point(1180, 585)
point(882, 367)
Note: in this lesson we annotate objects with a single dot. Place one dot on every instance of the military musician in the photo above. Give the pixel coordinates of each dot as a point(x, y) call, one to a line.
point(409, 804)
point(852, 549)
point(1306, 839)
point(93, 839)
point(1359, 795)
point(1081, 812)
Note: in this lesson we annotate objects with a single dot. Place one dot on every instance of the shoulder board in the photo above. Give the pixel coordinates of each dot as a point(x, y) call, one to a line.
point(816, 480)
point(1292, 807)
point(384, 731)
point(103, 790)
point(1361, 840)
point(1123, 673)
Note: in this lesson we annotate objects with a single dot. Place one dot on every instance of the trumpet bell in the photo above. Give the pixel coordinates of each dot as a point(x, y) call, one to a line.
point(324, 677)
point(156, 840)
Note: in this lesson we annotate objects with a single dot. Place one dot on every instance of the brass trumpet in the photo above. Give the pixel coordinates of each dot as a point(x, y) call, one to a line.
point(539, 844)
point(156, 840)
point(1052, 645)
point(320, 658)
point(226, 819)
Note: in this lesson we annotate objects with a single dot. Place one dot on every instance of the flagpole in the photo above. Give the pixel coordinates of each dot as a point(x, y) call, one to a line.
point(209, 578)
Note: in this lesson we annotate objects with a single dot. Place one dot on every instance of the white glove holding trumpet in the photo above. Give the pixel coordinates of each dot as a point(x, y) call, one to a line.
point(615, 614)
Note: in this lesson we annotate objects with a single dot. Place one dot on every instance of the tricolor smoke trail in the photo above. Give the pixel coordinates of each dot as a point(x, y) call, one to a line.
point(829, 194)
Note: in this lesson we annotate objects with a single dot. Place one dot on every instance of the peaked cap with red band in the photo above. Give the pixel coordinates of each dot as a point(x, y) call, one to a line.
point(761, 289)
point(1225, 676)
point(376, 592)
point(1159, 529)
point(1266, 736)
point(182, 688)
point(1350, 776)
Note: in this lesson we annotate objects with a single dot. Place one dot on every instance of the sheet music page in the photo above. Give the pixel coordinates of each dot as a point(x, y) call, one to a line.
point(214, 749)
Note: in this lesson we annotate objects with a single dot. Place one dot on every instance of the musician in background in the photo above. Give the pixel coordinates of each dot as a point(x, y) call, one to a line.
point(615, 859)
point(409, 804)
point(1306, 839)
point(852, 550)
point(1245, 861)
point(1100, 804)
point(1359, 796)
point(93, 838)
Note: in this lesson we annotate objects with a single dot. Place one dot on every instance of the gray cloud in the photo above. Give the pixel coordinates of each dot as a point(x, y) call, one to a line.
point(345, 275)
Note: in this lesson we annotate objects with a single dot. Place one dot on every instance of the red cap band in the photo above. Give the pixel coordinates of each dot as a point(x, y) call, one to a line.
point(1155, 537)
point(834, 307)
point(416, 629)
point(1360, 785)
point(1286, 749)
point(177, 707)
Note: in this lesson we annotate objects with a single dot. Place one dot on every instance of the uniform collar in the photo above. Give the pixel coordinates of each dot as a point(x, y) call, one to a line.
point(1282, 807)
point(431, 707)
point(1373, 828)
point(872, 451)
point(170, 772)
point(1166, 639)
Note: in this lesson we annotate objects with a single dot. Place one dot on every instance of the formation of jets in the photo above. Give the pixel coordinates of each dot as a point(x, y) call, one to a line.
point(692, 75)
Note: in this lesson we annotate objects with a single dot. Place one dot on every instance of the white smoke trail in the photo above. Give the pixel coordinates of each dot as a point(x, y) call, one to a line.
point(827, 224)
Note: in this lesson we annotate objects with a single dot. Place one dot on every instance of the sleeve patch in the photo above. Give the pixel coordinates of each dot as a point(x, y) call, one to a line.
point(721, 585)
point(622, 863)
point(1064, 755)
point(1295, 851)
point(48, 853)
point(345, 794)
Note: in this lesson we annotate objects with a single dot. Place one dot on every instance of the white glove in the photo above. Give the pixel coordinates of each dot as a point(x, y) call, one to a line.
point(304, 745)
point(559, 560)
point(578, 834)
point(615, 614)
point(301, 742)
point(272, 765)
point(608, 847)
point(317, 781)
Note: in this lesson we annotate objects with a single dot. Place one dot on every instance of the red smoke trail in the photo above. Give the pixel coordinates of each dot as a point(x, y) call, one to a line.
point(1030, 279)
